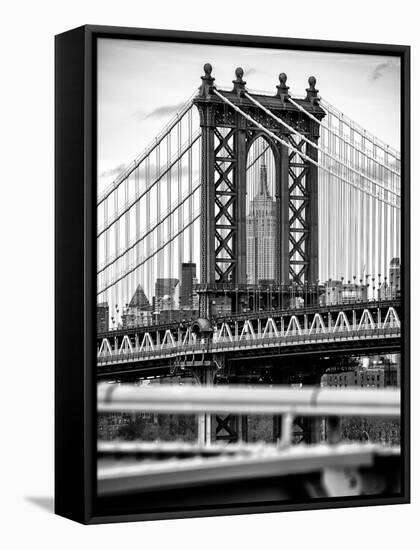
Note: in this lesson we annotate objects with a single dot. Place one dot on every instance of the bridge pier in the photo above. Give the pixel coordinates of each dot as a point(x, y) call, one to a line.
point(235, 428)
point(204, 430)
point(309, 430)
point(205, 376)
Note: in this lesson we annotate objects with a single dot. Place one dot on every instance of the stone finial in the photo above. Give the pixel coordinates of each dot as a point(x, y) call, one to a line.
point(239, 82)
point(206, 87)
point(312, 92)
point(207, 70)
point(239, 73)
point(282, 88)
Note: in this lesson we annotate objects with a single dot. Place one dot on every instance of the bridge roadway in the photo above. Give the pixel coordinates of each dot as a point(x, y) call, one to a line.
point(351, 328)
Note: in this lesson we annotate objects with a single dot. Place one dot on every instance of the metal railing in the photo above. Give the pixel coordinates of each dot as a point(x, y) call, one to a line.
point(265, 312)
point(141, 466)
point(314, 401)
point(330, 335)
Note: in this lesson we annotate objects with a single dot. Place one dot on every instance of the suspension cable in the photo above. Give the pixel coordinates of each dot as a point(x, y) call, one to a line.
point(159, 221)
point(149, 149)
point(150, 255)
point(261, 154)
point(302, 155)
point(363, 133)
point(128, 207)
point(312, 144)
point(339, 136)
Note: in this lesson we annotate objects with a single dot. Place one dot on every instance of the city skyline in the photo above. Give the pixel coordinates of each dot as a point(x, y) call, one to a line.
point(140, 311)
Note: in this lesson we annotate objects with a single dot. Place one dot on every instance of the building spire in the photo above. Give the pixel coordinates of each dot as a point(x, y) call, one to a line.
point(263, 190)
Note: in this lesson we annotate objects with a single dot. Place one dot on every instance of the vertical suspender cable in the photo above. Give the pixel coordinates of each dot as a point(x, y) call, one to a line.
point(363, 233)
point(169, 194)
point(392, 228)
point(149, 271)
point(342, 222)
point(368, 239)
point(159, 211)
point(137, 226)
point(380, 237)
point(118, 263)
point(181, 208)
point(126, 218)
point(386, 230)
point(374, 234)
point(190, 202)
point(107, 254)
point(397, 233)
point(335, 212)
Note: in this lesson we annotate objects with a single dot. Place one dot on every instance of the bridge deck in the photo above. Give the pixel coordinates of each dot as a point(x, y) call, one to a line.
point(299, 343)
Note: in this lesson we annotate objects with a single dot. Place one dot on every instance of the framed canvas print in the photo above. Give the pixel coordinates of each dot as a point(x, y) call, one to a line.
point(232, 274)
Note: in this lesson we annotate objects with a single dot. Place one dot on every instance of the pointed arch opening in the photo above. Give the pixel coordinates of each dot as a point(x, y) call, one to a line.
point(261, 213)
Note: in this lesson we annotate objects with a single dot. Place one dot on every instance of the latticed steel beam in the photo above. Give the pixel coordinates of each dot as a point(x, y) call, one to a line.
point(297, 329)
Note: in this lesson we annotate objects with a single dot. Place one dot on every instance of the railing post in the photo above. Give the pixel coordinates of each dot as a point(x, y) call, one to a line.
point(286, 430)
point(205, 376)
point(333, 429)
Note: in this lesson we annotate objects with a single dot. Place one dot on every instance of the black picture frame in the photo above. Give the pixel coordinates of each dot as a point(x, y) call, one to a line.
point(75, 296)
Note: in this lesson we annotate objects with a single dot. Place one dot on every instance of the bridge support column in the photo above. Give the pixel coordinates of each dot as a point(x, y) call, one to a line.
point(309, 430)
point(205, 376)
point(277, 431)
point(242, 428)
point(312, 213)
point(282, 205)
point(204, 430)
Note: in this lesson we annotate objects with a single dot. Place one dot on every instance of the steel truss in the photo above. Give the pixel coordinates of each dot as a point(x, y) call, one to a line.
point(227, 137)
point(326, 326)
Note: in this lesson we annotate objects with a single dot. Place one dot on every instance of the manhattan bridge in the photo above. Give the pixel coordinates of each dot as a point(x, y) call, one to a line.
point(256, 237)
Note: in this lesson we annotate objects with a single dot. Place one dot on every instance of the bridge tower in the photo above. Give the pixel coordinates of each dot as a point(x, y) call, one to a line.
point(226, 140)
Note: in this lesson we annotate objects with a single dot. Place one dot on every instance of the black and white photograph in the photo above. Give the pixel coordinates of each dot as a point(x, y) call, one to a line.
point(209, 275)
point(249, 276)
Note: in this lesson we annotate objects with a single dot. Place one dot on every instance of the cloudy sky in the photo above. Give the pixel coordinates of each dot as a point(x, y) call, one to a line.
point(141, 85)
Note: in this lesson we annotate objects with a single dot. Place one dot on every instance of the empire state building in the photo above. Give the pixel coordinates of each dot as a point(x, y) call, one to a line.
point(261, 233)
